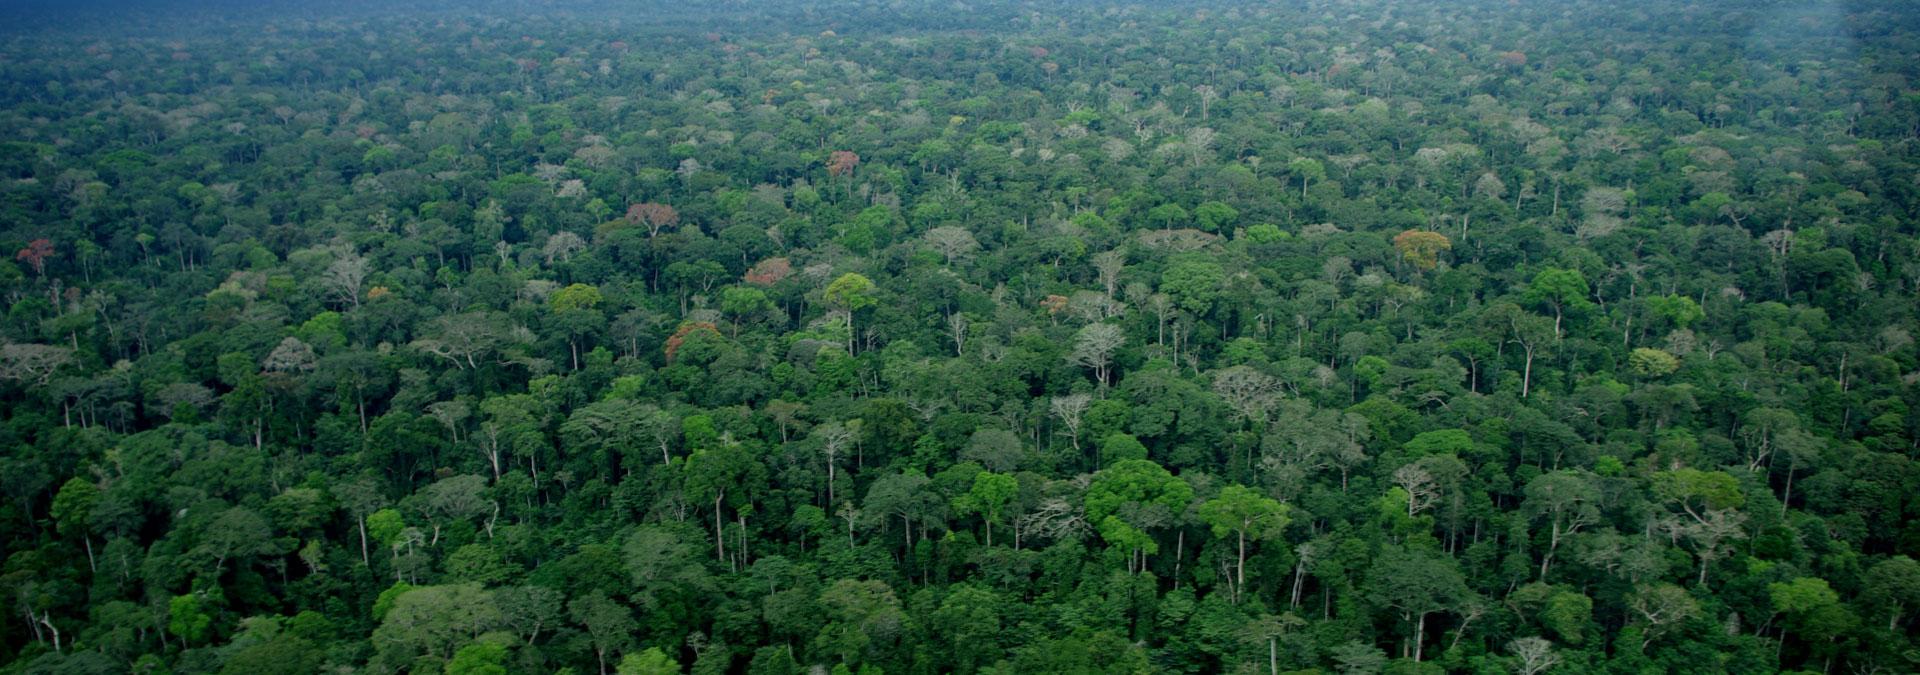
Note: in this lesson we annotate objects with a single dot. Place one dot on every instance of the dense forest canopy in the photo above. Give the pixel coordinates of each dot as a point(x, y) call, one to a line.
point(1355, 336)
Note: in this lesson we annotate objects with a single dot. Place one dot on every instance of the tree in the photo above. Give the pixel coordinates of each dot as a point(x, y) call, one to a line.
point(989, 496)
point(1215, 216)
point(611, 429)
point(35, 255)
point(1813, 610)
point(72, 512)
point(952, 243)
point(1893, 586)
point(1308, 170)
point(1678, 311)
point(663, 568)
point(237, 533)
point(1245, 514)
point(1094, 347)
point(434, 620)
point(514, 426)
point(995, 449)
point(1119, 446)
point(1658, 608)
point(969, 621)
point(652, 661)
point(527, 611)
point(575, 298)
point(1560, 289)
point(609, 625)
point(291, 357)
point(1359, 658)
point(862, 619)
point(1207, 95)
point(1270, 629)
point(1250, 393)
point(464, 339)
point(687, 331)
point(1535, 655)
point(904, 496)
point(655, 217)
point(768, 272)
point(714, 471)
point(1417, 486)
point(1422, 248)
point(1566, 499)
point(32, 363)
point(742, 302)
point(1109, 264)
point(1416, 584)
point(1070, 410)
point(1652, 363)
point(480, 658)
point(834, 439)
point(848, 294)
point(187, 619)
point(1193, 284)
point(562, 246)
point(841, 163)
point(1530, 333)
point(1130, 497)
point(1168, 216)
point(456, 498)
point(1708, 500)
point(346, 278)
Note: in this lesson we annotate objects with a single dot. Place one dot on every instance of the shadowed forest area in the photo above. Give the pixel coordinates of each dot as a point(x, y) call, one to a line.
point(893, 338)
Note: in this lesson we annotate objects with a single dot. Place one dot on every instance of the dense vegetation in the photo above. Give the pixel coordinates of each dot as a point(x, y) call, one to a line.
point(1029, 337)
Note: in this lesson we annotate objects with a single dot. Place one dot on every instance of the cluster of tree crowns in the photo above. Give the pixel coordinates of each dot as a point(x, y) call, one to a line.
point(1339, 337)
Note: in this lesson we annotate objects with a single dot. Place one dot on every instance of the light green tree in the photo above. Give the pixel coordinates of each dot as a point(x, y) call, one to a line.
point(1124, 500)
point(1559, 289)
point(847, 295)
point(1246, 514)
point(989, 496)
point(652, 661)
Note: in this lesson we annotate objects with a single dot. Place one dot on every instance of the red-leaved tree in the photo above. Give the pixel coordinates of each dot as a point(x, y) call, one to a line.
point(769, 272)
point(687, 329)
point(841, 163)
point(654, 216)
point(36, 254)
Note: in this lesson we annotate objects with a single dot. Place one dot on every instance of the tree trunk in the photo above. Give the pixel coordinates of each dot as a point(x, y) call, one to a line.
point(1789, 493)
point(1553, 542)
point(719, 536)
point(1526, 376)
point(1240, 569)
point(1299, 581)
point(1419, 635)
point(46, 619)
point(1179, 556)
